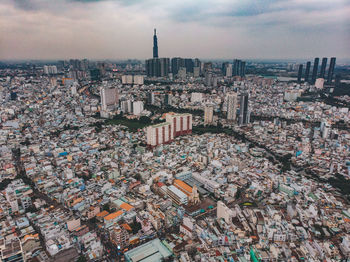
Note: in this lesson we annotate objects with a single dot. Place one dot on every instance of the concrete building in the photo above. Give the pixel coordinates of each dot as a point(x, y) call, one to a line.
point(319, 83)
point(181, 123)
point(231, 106)
point(109, 98)
point(196, 97)
point(208, 114)
point(159, 134)
point(177, 196)
point(137, 108)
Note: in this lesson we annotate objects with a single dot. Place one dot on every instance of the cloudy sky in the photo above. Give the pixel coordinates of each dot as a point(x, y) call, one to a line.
point(118, 29)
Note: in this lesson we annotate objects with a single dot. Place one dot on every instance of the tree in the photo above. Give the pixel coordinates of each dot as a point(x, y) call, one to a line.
point(81, 259)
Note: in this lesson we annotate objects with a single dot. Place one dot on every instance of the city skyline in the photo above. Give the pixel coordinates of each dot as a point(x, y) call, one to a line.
point(120, 30)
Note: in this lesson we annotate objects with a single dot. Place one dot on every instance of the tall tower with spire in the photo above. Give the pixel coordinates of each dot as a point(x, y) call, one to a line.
point(155, 45)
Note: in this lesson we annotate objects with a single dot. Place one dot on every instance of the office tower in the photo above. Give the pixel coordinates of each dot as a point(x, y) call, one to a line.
point(314, 70)
point(158, 67)
point(208, 114)
point(176, 63)
point(337, 80)
point(228, 72)
point(331, 70)
point(307, 71)
point(323, 67)
point(189, 65)
point(208, 66)
point(223, 67)
point(208, 78)
point(109, 98)
point(242, 69)
point(244, 116)
point(300, 72)
point(95, 74)
point(231, 106)
point(196, 71)
point(155, 45)
point(198, 65)
point(236, 64)
point(150, 98)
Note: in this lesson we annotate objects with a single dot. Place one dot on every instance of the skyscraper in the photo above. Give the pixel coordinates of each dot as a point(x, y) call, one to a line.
point(323, 67)
point(244, 116)
point(307, 71)
point(208, 114)
point(300, 72)
point(231, 106)
point(155, 45)
point(158, 67)
point(176, 63)
point(331, 70)
point(314, 70)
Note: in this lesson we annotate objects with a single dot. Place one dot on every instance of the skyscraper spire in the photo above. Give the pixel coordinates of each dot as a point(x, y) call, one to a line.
point(155, 44)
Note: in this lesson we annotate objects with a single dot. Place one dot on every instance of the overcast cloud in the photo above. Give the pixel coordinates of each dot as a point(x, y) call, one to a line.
point(118, 29)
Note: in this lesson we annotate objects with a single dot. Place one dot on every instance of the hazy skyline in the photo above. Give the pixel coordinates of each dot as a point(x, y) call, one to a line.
point(120, 29)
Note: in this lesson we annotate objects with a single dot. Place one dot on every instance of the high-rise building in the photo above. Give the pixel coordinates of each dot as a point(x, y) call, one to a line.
point(238, 68)
point(158, 67)
point(176, 63)
point(150, 98)
point(168, 99)
point(300, 72)
point(323, 67)
point(182, 123)
point(307, 71)
point(314, 70)
point(189, 65)
point(137, 107)
point(223, 67)
point(208, 114)
point(109, 98)
point(331, 70)
point(231, 106)
point(155, 44)
point(244, 114)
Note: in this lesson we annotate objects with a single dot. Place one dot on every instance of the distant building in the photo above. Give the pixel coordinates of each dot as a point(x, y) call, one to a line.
point(244, 114)
point(155, 44)
point(315, 70)
point(307, 71)
point(238, 68)
point(132, 79)
point(157, 67)
point(168, 99)
point(11, 249)
point(150, 98)
point(119, 236)
point(208, 114)
point(331, 70)
point(323, 67)
point(231, 106)
point(300, 72)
